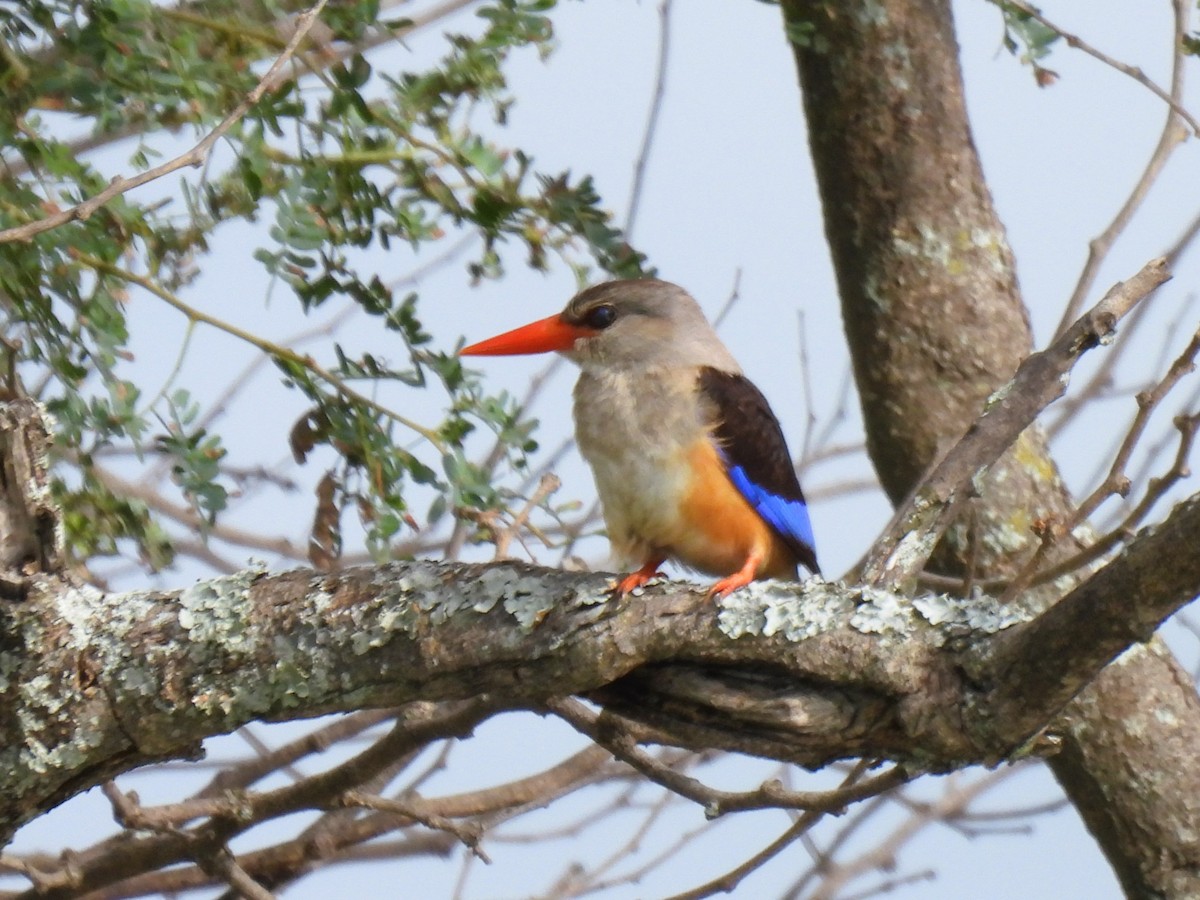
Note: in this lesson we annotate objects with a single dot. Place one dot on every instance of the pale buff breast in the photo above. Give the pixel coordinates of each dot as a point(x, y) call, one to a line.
point(636, 430)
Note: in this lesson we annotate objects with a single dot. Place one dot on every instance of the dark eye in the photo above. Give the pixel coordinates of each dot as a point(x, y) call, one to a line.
point(600, 317)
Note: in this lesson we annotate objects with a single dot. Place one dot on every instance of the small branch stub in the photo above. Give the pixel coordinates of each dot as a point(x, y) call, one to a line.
point(30, 528)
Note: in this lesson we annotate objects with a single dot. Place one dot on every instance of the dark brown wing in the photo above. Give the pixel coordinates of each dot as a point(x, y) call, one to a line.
point(757, 459)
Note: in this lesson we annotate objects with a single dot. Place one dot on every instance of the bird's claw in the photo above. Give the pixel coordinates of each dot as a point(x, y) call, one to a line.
point(635, 580)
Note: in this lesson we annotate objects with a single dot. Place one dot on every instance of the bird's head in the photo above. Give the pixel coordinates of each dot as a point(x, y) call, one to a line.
point(637, 324)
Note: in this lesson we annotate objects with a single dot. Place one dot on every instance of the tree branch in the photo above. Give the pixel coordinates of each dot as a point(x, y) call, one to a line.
point(1120, 605)
point(100, 683)
point(1040, 379)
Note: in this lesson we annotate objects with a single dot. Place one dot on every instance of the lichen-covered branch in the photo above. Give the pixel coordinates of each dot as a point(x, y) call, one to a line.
point(97, 683)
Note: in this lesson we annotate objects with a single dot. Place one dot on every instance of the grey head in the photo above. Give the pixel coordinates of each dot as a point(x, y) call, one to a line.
point(643, 323)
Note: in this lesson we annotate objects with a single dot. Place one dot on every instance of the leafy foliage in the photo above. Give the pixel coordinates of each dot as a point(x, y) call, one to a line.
point(368, 160)
point(1029, 40)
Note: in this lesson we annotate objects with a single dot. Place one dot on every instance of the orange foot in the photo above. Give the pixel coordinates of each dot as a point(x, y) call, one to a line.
point(738, 579)
point(638, 578)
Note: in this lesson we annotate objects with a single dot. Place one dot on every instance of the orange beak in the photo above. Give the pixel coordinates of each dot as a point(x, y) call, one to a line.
point(542, 336)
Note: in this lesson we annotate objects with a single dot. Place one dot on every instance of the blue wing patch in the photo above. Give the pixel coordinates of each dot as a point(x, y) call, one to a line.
point(756, 458)
point(788, 517)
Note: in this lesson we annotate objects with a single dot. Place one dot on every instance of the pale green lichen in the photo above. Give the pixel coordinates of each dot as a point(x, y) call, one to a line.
point(997, 396)
point(9, 664)
point(319, 600)
point(1166, 717)
point(529, 600)
point(416, 589)
point(216, 611)
point(424, 596)
point(899, 66)
point(41, 704)
point(82, 607)
point(881, 612)
point(955, 248)
point(995, 244)
point(869, 14)
point(979, 614)
point(877, 294)
point(775, 607)
point(137, 682)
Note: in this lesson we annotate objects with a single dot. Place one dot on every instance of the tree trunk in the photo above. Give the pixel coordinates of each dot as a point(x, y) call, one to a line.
point(935, 323)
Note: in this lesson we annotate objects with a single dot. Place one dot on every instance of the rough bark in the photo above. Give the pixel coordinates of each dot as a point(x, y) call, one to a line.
point(935, 324)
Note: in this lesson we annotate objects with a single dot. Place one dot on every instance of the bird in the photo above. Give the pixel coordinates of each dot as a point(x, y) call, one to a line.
point(690, 463)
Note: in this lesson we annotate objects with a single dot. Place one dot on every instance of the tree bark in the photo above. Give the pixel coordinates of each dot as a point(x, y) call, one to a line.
point(935, 324)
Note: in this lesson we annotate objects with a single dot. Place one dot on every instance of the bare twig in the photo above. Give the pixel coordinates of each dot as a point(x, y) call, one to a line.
point(883, 853)
point(1172, 135)
point(468, 833)
point(1134, 72)
point(187, 517)
point(730, 880)
point(278, 351)
point(887, 885)
point(252, 770)
point(115, 860)
point(222, 864)
point(1117, 482)
point(605, 730)
point(578, 882)
point(547, 485)
point(656, 102)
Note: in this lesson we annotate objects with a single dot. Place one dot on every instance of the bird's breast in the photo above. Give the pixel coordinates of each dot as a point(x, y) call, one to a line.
point(636, 432)
point(660, 478)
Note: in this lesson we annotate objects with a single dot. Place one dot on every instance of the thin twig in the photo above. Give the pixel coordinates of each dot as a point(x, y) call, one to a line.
point(884, 852)
point(222, 864)
point(469, 833)
point(656, 104)
point(1117, 482)
point(803, 824)
point(604, 729)
point(1172, 135)
point(1134, 72)
point(547, 485)
point(278, 351)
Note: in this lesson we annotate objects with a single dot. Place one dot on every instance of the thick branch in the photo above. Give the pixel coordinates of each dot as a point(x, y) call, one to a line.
point(95, 684)
point(30, 533)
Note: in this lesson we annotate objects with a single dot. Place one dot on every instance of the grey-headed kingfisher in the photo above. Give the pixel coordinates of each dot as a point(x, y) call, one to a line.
point(690, 462)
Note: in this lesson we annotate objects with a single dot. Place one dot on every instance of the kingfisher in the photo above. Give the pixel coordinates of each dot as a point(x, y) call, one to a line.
point(690, 462)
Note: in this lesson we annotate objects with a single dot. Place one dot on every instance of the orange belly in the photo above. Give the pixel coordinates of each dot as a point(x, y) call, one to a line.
point(720, 529)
